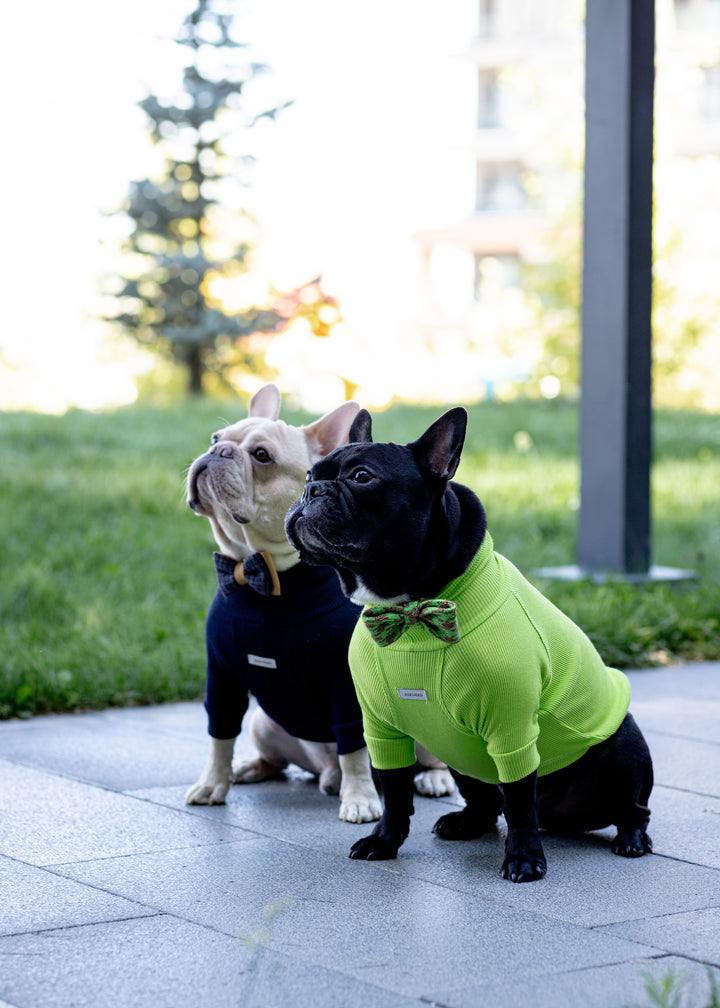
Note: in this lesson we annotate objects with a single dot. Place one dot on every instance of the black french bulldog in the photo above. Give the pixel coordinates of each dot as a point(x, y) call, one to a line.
point(515, 699)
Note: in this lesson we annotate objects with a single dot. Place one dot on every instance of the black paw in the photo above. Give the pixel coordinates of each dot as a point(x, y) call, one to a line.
point(632, 843)
point(461, 826)
point(373, 848)
point(523, 868)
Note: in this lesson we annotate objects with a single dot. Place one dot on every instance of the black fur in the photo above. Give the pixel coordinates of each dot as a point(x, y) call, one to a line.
point(392, 523)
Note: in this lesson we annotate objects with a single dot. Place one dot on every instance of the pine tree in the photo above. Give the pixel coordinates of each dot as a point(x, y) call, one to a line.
point(165, 302)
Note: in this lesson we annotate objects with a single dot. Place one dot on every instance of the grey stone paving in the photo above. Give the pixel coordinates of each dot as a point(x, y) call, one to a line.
point(114, 892)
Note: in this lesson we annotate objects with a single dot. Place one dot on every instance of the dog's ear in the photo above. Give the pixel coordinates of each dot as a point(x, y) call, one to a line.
point(266, 402)
point(330, 431)
point(361, 429)
point(438, 450)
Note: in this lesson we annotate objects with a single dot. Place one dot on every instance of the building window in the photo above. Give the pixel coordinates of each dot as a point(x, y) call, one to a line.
point(494, 273)
point(486, 18)
point(489, 114)
point(500, 187)
point(710, 94)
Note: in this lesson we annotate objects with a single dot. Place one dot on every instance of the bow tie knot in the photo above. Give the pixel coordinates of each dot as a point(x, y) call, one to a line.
point(386, 623)
point(257, 571)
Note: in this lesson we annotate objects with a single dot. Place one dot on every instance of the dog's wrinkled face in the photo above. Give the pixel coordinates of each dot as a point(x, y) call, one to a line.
point(253, 471)
point(368, 509)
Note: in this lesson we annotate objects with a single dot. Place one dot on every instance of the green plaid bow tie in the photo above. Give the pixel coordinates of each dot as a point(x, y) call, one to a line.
point(388, 622)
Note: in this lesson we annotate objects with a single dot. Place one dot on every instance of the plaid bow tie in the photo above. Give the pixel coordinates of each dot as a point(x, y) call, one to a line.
point(257, 571)
point(388, 622)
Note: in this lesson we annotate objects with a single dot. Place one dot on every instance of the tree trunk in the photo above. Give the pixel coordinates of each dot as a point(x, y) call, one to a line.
point(195, 371)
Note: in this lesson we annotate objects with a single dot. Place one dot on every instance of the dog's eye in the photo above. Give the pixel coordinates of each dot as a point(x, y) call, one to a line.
point(262, 455)
point(214, 439)
point(361, 476)
point(308, 476)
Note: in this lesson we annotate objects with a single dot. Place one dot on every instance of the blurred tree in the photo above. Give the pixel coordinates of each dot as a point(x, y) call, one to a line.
point(178, 254)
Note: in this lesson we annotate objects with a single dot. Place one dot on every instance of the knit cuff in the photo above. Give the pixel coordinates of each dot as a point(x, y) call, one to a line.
point(391, 754)
point(516, 765)
point(349, 737)
point(222, 725)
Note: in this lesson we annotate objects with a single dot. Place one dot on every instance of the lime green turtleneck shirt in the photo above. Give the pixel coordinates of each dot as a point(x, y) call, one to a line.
point(524, 689)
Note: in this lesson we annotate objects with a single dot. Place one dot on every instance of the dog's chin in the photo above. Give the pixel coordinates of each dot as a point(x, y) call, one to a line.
point(311, 547)
point(315, 546)
point(362, 595)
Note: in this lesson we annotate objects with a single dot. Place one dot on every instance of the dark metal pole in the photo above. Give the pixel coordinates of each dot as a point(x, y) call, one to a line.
point(616, 400)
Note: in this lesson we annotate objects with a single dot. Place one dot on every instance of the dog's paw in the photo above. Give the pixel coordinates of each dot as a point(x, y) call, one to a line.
point(373, 848)
point(462, 826)
point(434, 783)
point(254, 771)
point(360, 808)
point(213, 793)
point(632, 843)
point(523, 868)
point(330, 779)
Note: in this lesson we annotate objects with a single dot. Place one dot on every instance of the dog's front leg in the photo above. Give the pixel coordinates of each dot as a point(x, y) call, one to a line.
point(524, 855)
point(359, 801)
point(387, 837)
point(216, 778)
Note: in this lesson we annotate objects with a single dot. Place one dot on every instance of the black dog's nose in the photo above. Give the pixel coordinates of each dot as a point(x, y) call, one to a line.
point(317, 489)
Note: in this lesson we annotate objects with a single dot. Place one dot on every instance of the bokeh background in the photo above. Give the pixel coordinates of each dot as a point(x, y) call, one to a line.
point(425, 161)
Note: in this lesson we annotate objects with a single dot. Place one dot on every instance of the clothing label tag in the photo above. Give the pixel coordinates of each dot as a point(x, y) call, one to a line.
point(254, 659)
point(412, 694)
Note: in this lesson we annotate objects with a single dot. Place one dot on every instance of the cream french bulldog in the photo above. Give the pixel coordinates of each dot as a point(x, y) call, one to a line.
point(277, 628)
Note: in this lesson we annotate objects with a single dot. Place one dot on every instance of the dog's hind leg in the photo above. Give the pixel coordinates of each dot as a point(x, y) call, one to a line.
point(483, 804)
point(635, 782)
point(434, 779)
point(609, 785)
point(277, 749)
point(272, 744)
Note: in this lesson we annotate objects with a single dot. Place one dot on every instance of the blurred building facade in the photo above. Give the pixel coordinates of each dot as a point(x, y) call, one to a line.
point(528, 62)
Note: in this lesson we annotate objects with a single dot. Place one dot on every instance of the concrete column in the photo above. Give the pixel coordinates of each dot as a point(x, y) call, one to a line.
point(616, 408)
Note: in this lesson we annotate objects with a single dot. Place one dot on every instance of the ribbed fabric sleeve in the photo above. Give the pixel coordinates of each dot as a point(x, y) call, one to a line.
point(524, 689)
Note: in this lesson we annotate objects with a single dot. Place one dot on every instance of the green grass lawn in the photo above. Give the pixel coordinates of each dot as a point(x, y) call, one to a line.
point(106, 575)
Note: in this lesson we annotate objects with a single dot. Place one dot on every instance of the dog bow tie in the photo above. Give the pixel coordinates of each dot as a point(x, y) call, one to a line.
point(257, 571)
point(388, 622)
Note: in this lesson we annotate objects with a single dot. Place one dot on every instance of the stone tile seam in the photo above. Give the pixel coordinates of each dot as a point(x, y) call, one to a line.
point(496, 901)
point(680, 735)
point(36, 768)
point(245, 940)
point(619, 962)
point(680, 860)
point(157, 911)
point(682, 790)
point(659, 917)
point(665, 953)
point(84, 924)
point(52, 865)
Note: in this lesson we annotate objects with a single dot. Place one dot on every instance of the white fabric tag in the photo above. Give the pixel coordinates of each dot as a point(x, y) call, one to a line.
point(412, 694)
point(254, 659)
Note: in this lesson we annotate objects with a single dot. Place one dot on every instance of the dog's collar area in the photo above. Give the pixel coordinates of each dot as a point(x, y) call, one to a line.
point(256, 571)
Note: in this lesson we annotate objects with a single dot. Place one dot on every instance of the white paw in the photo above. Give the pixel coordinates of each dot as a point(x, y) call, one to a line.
point(329, 782)
point(434, 783)
point(360, 808)
point(253, 771)
point(208, 792)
